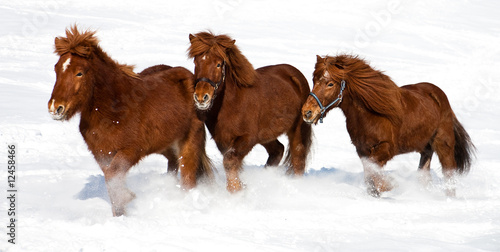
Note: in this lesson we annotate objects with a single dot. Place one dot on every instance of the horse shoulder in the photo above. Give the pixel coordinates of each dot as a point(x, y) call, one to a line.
point(367, 129)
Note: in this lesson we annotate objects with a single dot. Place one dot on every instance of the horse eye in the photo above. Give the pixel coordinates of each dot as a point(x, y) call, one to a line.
point(330, 84)
point(79, 74)
point(218, 65)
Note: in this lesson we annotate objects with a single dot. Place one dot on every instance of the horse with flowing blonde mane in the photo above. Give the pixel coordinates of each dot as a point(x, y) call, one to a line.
point(244, 107)
point(126, 116)
point(384, 120)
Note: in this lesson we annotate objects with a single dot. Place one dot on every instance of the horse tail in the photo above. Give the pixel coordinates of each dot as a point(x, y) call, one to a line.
point(464, 148)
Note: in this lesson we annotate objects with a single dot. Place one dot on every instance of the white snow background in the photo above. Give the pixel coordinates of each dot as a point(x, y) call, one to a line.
point(62, 202)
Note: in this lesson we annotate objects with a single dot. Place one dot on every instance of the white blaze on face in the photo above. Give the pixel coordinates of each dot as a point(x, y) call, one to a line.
point(52, 108)
point(326, 75)
point(66, 64)
point(204, 57)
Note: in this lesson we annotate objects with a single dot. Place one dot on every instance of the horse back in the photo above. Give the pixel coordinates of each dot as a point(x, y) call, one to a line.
point(166, 79)
point(154, 69)
point(289, 76)
point(428, 92)
point(426, 107)
point(167, 111)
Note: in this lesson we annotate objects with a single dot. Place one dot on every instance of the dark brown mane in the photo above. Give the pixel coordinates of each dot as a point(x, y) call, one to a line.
point(84, 45)
point(377, 92)
point(223, 46)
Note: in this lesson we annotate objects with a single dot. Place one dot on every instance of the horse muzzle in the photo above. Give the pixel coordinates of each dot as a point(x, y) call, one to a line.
point(57, 111)
point(310, 117)
point(204, 102)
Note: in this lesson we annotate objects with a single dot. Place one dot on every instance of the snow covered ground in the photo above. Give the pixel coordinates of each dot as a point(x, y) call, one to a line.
point(62, 203)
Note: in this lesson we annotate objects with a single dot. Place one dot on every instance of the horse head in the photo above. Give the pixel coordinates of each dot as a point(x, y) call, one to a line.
point(327, 92)
point(210, 73)
point(71, 88)
point(72, 70)
point(217, 57)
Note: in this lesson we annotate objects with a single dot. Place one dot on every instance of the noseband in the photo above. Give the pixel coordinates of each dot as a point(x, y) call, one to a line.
point(339, 100)
point(209, 81)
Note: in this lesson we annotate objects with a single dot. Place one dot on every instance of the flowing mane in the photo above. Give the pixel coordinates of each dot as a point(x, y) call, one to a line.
point(384, 120)
point(376, 91)
point(223, 46)
point(85, 45)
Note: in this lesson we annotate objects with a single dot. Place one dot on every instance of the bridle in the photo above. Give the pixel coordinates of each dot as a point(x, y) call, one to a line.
point(209, 81)
point(339, 100)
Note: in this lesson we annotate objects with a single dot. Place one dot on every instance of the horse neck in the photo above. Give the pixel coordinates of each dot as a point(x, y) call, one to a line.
point(110, 87)
point(226, 95)
point(355, 113)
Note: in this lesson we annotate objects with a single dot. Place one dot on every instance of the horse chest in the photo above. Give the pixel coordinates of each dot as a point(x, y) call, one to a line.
point(367, 131)
point(102, 135)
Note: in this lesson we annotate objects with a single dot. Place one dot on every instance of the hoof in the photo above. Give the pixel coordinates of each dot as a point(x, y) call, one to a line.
point(372, 191)
point(234, 185)
point(379, 184)
point(119, 205)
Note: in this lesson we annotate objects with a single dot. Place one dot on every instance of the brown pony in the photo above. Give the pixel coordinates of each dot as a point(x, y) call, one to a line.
point(385, 120)
point(244, 107)
point(126, 116)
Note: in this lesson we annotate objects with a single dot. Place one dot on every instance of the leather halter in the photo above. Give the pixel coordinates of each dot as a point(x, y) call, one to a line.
point(209, 81)
point(339, 100)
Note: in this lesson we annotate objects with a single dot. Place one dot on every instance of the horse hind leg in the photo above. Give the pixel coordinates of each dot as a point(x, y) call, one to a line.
point(444, 147)
point(275, 150)
point(300, 140)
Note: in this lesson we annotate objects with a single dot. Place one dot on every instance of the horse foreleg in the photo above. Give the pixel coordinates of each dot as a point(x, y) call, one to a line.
point(376, 181)
point(275, 150)
point(232, 164)
point(233, 160)
point(115, 176)
point(173, 162)
point(425, 165)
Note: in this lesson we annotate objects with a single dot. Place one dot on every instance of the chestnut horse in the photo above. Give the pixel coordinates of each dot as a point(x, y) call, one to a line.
point(384, 120)
point(126, 116)
point(244, 107)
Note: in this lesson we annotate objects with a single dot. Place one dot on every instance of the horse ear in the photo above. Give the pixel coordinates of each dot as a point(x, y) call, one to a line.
point(191, 37)
point(58, 47)
point(234, 41)
point(318, 58)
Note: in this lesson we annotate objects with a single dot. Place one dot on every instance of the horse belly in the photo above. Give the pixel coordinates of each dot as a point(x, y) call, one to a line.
point(278, 114)
point(420, 122)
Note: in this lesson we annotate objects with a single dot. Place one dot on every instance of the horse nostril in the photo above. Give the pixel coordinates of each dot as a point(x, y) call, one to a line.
point(60, 109)
point(308, 114)
point(206, 97)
